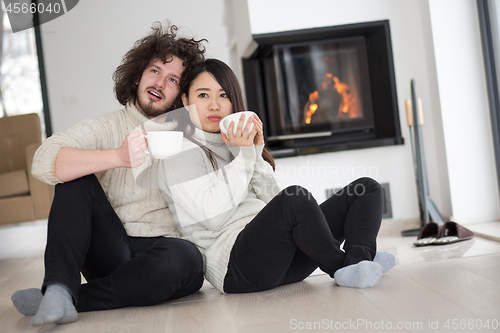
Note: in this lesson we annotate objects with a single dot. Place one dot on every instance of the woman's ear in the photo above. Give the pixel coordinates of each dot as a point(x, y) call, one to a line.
point(184, 100)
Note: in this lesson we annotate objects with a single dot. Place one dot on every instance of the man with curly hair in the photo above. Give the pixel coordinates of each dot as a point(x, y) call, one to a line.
point(118, 235)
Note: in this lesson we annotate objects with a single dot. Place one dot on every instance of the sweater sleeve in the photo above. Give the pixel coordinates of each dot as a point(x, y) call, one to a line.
point(264, 180)
point(88, 134)
point(207, 197)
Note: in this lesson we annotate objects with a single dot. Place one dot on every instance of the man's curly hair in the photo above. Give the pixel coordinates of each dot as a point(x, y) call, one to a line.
point(159, 44)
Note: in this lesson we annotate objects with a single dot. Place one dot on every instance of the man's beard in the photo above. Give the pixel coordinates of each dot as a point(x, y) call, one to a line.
point(150, 110)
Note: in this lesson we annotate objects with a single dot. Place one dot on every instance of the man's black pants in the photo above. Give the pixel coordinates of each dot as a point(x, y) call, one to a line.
point(86, 235)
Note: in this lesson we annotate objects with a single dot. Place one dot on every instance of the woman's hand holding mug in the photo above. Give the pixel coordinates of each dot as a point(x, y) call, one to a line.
point(243, 135)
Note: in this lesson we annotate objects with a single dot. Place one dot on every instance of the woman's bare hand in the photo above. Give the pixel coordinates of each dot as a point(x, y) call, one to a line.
point(244, 137)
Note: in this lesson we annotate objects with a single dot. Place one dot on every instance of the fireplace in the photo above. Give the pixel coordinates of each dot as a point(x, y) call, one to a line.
point(324, 89)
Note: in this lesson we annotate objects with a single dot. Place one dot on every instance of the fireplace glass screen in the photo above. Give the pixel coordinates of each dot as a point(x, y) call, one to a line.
point(323, 88)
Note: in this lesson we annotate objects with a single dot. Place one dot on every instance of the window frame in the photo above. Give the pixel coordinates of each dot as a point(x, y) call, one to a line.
point(43, 81)
point(492, 79)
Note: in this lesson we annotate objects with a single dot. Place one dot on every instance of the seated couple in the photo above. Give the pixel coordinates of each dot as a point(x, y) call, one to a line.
point(218, 210)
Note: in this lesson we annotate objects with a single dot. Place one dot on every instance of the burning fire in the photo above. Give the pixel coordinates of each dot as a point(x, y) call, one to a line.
point(342, 89)
point(347, 106)
point(312, 106)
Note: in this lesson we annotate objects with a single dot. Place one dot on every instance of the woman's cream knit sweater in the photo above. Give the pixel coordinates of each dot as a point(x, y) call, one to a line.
point(143, 211)
point(210, 207)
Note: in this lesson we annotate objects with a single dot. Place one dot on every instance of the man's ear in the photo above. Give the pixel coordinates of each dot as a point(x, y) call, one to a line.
point(184, 100)
point(138, 81)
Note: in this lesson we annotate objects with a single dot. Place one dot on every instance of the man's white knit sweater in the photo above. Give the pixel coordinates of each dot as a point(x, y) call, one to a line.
point(211, 207)
point(143, 211)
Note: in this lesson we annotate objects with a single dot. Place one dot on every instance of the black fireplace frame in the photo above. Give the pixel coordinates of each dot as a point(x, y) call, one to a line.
point(387, 129)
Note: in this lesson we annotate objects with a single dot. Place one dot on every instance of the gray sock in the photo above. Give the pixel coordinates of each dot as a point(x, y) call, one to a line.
point(386, 259)
point(27, 301)
point(56, 307)
point(364, 274)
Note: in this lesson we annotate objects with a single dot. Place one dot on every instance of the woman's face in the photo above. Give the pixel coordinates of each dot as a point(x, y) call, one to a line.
point(212, 103)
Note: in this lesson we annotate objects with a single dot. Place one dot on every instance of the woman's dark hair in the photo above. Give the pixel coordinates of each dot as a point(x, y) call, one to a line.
point(159, 44)
point(225, 76)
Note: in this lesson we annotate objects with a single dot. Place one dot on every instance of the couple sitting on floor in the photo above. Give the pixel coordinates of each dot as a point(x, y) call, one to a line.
point(216, 210)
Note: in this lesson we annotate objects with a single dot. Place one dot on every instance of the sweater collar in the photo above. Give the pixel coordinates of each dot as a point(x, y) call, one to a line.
point(141, 121)
point(213, 138)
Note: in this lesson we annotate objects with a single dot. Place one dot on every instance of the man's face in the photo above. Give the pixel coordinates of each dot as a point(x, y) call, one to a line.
point(158, 87)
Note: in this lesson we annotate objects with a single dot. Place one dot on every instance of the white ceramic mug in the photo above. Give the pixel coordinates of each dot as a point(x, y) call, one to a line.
point(163, 144)
point(226, 121)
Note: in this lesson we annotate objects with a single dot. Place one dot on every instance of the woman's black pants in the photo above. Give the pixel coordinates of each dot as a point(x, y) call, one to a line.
point(86, 235)
point(293, 235)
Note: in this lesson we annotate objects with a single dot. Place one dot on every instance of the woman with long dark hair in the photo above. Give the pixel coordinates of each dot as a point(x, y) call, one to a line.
point(225, 199)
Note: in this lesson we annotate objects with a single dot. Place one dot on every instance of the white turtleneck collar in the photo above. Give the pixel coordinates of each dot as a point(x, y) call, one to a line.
point(209, 137)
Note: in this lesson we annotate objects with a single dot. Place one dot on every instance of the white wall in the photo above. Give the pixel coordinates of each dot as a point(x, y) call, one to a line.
point(465, 110)
point(412, 60)
point(437, 43)
point(83, 48)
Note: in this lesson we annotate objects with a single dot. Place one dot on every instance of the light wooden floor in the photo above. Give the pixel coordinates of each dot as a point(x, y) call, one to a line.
point(456, 284)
